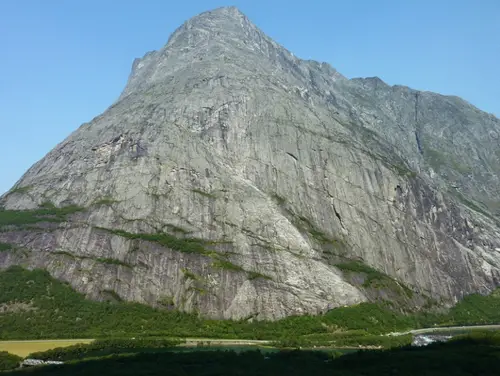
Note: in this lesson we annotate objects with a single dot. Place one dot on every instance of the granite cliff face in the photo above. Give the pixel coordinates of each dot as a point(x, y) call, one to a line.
point(231, 178)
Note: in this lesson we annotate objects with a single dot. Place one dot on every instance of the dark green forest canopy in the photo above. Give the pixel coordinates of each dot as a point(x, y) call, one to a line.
point(8, 361)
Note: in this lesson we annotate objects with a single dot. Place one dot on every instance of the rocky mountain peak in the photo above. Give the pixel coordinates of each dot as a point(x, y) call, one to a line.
point(233, 179)
point(217, 39)
point(212, 36)
point(218, 24)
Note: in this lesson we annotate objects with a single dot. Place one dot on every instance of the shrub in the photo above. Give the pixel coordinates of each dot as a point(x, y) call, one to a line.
point(8, 361)
point(47, 213)
point(105, 347)
point(187, 245)
point(5, 247)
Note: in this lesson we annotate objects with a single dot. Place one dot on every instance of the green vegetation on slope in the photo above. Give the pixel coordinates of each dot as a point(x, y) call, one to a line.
point(472, 205)
point(437, 160)
point(60, 312)
point(187, 245)
point(478, 309)
point(63, 313)
point(358, 267)
point(47, 213)
point(5, 247)
point(375, 279)
point(20, 190)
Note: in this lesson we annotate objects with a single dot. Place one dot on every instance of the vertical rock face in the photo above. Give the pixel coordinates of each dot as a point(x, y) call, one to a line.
point(231, 178)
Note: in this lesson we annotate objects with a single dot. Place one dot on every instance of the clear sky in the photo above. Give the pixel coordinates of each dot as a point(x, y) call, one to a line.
point(63, 62)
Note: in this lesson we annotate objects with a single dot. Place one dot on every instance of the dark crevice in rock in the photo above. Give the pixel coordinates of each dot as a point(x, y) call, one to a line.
point(399, 190)
point(416, 109)
point(419, 144)
point(293, 156)
point(417, 131)
point(338, 216)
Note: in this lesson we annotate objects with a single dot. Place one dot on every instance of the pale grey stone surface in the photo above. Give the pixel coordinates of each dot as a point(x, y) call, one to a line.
point(270, 138)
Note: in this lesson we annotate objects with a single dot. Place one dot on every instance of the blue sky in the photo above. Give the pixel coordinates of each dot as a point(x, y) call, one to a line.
point(63, 62)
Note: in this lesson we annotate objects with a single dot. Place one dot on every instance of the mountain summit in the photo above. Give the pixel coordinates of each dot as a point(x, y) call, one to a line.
point(233, 179)
point(210, 41)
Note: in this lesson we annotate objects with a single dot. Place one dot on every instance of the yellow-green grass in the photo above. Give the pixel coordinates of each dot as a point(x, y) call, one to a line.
point(24, 348)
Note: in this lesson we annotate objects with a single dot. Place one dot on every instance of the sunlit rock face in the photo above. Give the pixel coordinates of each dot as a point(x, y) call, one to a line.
point(282, 167)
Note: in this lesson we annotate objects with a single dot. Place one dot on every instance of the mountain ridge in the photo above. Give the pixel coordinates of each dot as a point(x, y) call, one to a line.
point(234, 179)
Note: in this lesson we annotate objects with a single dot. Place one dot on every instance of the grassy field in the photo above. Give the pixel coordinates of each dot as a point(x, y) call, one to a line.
point(23, 348)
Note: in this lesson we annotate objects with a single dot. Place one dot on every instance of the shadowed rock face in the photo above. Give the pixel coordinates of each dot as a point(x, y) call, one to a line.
point(283, 167)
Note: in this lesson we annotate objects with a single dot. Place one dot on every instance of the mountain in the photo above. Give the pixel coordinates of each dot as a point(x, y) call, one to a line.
point(236, 180)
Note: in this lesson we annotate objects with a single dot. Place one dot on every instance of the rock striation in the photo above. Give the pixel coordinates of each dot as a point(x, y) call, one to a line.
point(234, 179)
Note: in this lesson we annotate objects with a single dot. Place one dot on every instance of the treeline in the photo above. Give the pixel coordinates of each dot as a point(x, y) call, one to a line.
point(485, 337)
point(354, 339)
point(57, 311)
point(8, 361)
point(466, 357)
point(105, 347)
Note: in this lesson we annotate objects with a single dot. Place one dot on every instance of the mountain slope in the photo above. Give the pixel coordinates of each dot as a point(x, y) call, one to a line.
point(230, 178)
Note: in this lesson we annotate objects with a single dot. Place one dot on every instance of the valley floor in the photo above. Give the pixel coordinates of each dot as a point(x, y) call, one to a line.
point(25, 347)
point(465, 357)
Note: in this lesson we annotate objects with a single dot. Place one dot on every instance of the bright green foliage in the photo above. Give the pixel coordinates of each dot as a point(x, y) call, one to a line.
point(8, 361)
point(63, 313)
point(374, 318)
point(47, 213)
point(478, 309)
point(187, 245)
